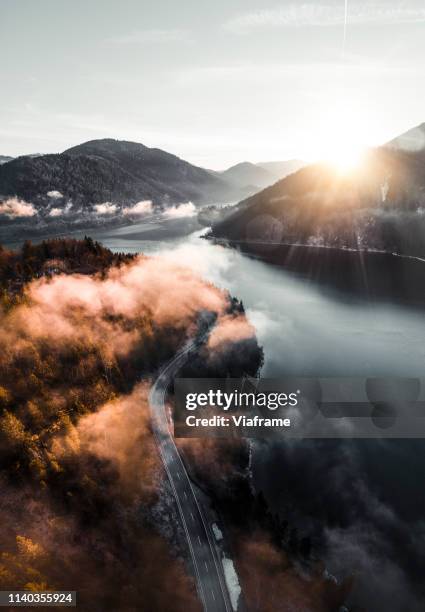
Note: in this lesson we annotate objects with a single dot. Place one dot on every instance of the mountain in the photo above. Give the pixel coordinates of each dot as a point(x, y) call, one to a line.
point(280, 169)
point(114, 171)
point(250, 178)
point(379, 206)
point(412, 140)
point(5, 158)
point(248, 175)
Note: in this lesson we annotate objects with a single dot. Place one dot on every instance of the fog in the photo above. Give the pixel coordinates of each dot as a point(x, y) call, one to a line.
point(305, 330)
point(359, 500)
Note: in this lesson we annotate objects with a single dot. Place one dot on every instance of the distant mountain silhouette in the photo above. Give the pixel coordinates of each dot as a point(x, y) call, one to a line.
point(412, 140)
point(280, 169)
point(113, 171)
point(379, 206)
point(248, 175)
point(5, 158)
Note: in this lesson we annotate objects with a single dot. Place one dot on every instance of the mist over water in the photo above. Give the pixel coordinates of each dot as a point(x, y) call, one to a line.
point(305, 330)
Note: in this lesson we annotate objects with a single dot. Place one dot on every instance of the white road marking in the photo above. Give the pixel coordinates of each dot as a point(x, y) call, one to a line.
point(191, 514)
point(199, 540)
point(206, 565)
point(185, 495)
point(212, 593)
point(178, 476)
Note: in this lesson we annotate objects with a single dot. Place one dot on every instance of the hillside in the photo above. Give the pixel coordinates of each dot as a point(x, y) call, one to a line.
point(280, 169)
point(379, 206)
point(78, 353)
point(412, 140)
point(250, 178)
point(5, 158)
point(114, 171)
point(54, 256)
point(249, 175)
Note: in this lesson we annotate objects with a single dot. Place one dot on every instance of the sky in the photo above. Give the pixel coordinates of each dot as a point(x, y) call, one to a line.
point(215, 83)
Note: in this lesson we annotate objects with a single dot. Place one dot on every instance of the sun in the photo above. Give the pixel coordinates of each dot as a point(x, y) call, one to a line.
point(339, 138)
point(343, 154)
point(345, 157)
point(341, 149)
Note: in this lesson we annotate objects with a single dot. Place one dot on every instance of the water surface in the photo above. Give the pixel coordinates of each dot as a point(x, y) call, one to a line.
point(305, 330)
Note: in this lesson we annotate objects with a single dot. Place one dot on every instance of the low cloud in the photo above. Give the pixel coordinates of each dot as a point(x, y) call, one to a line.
point(107, 208)
point(73, 307)
point(55, 212)
point(228, 330)
point(315, 14)
point(14, 208)
point(59, 212)
point(119, 432)
point(141, 208)
point(180, 210)
point(75, 336)
point(55, 195)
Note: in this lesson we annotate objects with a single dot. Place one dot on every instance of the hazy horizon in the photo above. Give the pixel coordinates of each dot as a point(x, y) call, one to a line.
point(216, 85)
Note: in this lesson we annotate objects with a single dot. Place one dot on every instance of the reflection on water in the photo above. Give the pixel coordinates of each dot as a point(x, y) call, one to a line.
point(304, 330)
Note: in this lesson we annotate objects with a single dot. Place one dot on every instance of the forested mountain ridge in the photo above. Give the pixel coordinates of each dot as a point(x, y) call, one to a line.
point(114, 171)
point(380, 205)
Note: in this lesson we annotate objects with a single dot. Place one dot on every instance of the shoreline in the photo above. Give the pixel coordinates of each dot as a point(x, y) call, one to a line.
point(371, 274)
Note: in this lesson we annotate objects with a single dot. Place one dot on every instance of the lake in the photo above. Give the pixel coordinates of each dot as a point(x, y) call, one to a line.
point(305, 330)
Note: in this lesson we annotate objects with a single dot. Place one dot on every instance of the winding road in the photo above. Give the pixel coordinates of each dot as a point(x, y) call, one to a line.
point(207, 564)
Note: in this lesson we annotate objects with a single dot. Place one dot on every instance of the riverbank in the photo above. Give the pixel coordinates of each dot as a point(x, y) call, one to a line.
point(371, 275)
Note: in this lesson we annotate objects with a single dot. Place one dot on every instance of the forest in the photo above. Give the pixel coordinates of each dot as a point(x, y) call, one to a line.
point(84, 501)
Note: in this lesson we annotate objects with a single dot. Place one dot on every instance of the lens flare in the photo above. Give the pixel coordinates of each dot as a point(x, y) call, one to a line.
point(346, 159)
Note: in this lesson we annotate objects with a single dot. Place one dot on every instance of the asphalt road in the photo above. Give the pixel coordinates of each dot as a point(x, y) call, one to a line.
point(206, 562)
